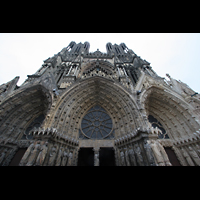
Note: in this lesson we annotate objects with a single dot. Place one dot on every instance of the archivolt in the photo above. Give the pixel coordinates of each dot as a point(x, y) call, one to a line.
point(75, 102)
point(171, 110)
point(20, 109)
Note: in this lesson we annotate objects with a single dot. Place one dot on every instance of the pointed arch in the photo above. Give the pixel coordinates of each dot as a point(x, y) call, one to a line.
point(170, 109)
point(77, 100)
point(21, 108)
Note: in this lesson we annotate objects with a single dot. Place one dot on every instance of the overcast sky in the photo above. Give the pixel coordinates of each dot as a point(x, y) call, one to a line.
point(174, 53)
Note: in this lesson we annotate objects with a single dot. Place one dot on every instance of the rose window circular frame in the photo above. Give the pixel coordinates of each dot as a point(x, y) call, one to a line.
point(96, 124)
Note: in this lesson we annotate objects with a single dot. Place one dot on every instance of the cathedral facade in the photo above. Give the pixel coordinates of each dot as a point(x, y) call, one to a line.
point(86, 108)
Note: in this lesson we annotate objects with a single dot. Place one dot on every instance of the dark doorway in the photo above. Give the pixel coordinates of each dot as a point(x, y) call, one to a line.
point(106, 157)
point(86, 157)
point(172, 156)
point(17, 157)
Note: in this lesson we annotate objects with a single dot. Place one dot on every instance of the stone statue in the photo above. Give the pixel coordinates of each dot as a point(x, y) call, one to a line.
point(194, 156)
point(70, 159)
point(187, 157)
point(42, 154)
point(58, 161)
point(52, 155)
point(127, 157)
point(138, 155)
point(157, 153)
point(64, 157)
point(33, 154)
point(26, 155)
point(96, 157)
point(132, 156)
point(2, 156)
point(122, 158)
point(149, 153)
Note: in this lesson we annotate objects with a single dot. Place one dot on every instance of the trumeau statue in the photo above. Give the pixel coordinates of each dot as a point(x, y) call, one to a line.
point(96, 158)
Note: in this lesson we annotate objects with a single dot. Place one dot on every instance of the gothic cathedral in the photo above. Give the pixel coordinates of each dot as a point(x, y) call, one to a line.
point(86, 108)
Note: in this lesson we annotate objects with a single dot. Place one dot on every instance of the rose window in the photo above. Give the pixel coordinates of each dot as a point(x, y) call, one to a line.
point(96, 124)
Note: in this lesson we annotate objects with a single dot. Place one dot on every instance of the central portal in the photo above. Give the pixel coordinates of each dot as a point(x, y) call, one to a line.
point(106, 157)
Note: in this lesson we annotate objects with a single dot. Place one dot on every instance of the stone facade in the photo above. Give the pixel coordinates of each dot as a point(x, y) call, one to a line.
point(51, 114)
